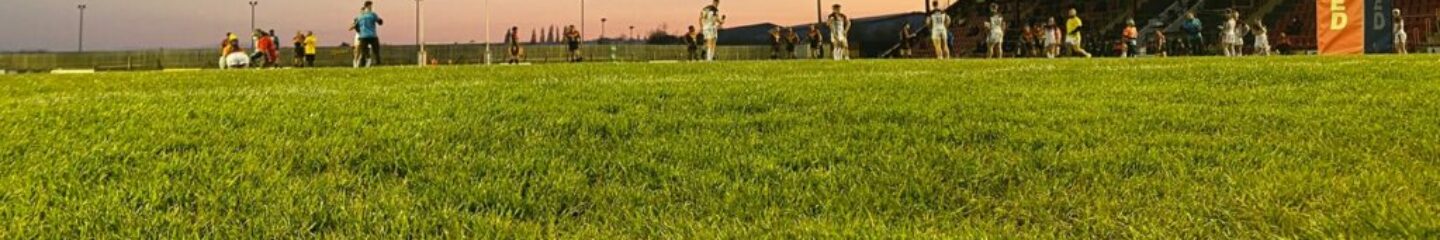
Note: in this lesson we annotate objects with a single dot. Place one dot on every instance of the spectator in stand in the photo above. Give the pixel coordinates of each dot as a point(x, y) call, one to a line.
point(1401, 40)
point(1129, 38)
point(1282, 44)
point(311, 47)
point(1194, 40)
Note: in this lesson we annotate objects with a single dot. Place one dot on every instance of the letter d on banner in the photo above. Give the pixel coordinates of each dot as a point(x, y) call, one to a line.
point(1342, 26)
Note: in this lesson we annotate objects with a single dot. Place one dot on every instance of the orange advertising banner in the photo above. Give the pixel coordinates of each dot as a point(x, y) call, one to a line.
point(1340, 26)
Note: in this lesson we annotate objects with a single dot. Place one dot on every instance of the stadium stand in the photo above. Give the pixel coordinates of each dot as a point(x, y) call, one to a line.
point(1295, 18)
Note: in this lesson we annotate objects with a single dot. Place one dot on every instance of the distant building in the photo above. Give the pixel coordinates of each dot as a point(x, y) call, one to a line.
point(872, 36)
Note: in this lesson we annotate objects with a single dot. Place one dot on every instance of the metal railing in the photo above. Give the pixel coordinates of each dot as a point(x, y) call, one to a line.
point(394, 55)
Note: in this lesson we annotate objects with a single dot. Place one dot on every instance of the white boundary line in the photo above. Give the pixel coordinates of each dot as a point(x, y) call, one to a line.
point(72, 71)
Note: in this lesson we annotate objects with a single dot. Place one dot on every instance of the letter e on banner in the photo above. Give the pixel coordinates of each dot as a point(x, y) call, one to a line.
point(1342, 26)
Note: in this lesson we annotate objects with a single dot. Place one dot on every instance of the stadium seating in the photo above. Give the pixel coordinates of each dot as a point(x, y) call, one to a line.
point(1295, 18)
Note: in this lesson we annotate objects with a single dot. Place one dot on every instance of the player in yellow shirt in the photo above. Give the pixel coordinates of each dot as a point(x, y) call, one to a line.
point(310, 48)
point(1072, 33)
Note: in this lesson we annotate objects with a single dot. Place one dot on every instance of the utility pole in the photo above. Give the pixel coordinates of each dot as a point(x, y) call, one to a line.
point(419, 34)
point(252, 22)
point(81, 42)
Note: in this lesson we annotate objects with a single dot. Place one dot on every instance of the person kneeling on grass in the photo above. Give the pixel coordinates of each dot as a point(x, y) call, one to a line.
point(235, 56)
point(227, 46)
point(264, 50)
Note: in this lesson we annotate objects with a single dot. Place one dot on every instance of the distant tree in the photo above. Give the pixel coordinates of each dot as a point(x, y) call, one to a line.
point(550, 34)
point(661, 37)
point(532, 36)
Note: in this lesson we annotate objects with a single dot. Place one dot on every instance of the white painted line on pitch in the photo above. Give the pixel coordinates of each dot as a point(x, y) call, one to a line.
point(72, 71)
point(180, 70)
point(664, 61)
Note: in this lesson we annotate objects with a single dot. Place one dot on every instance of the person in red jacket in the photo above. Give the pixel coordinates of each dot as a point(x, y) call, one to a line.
point(265, 49)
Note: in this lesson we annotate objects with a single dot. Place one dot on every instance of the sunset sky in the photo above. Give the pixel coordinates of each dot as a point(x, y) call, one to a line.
point(148, 24)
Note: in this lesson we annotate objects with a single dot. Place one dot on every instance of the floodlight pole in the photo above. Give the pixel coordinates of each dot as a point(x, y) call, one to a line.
point(81, 42)
point(632, 33)
point(819, 13)
point(582, 23)
point(252, 22)
point(602, 27)
point(487, 33)
point(419, 34)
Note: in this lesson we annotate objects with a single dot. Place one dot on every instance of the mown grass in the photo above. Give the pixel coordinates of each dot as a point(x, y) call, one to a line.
point(1297, 147)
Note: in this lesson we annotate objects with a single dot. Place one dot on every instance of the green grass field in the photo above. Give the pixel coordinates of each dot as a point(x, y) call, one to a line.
point(1211, 148)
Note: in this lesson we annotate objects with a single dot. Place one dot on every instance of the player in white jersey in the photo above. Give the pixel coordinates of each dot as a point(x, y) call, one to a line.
point(996, 38)
point(1230, 36)
point(839, 34)
point(1400, 35)
point(237, 60)
point(1262, 39)
point(710, 23)
point(939, 23)
point(1051, 38)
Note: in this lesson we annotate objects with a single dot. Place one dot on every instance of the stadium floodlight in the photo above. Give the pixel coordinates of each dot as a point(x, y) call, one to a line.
point(81, 42)
point(419, 34)
point(819, 13)
point(252, 22)
point(602, 27)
